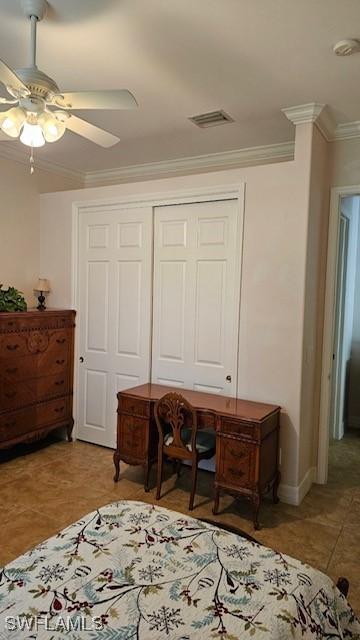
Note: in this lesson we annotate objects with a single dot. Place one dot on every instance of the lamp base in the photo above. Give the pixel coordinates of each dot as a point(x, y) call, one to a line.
point(41, 305)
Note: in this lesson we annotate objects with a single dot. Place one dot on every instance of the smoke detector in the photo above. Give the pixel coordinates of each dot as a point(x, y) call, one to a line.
point(346, 47)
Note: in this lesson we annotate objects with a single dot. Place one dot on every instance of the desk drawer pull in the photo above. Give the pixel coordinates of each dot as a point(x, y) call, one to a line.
point(12, 370)
point(238, 454)
point(61, 340)
point(60, 361)
point(10, 394)
point(59, 383)
point(59, 409)
point(12, 347)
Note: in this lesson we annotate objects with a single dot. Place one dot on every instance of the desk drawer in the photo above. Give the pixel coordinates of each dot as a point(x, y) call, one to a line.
point(241, 428)
point(236, 462)
point(132, 436)
point(134, 406)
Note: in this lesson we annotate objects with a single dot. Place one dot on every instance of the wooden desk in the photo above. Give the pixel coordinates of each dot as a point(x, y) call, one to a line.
point(247, 439)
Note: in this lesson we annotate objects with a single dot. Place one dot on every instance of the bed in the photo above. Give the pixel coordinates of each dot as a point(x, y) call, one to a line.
point(132, 570)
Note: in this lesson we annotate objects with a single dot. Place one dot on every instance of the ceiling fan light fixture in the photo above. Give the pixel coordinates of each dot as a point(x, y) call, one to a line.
point(12, 120)
point(32, 135)
point(53, 128)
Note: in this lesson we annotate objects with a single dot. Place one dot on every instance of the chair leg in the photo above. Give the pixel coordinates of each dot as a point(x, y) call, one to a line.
point(178, 468)
point(159, 474)
point(194, 468)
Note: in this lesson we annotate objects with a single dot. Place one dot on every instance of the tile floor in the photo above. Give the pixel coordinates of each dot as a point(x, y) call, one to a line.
point(45, 487)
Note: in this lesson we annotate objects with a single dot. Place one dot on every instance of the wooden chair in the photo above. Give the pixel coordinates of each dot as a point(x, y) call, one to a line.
point(179, 437)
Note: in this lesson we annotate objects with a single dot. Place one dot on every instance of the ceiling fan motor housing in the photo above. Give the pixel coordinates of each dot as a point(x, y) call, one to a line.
point(38, 83)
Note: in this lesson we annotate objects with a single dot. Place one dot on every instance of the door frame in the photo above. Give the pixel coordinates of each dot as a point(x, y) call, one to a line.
point(204, 194)
point(338, 377)
point(337, 193)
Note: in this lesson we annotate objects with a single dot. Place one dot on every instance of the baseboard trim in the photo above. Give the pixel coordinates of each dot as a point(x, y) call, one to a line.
point(295, 495)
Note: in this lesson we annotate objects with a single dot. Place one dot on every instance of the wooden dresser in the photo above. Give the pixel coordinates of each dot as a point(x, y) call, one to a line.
point(36, 374)
point(247, 439)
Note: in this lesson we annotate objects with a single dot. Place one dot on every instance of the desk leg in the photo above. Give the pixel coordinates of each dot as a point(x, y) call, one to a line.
point(147, 467)
point(216, 500)
point(117, 465)
point(256, 503)
point(275, 487)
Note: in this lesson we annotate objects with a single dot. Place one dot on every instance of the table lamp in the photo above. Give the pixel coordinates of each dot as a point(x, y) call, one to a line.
point(43, 287)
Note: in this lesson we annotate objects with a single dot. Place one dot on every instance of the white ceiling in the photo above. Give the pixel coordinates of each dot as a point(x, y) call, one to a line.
point(184, 57)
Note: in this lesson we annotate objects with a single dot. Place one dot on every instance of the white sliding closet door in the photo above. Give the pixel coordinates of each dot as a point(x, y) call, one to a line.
point(196, 296)
point(114, 321)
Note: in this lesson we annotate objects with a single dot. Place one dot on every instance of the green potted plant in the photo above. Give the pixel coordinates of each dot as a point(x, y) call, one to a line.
point(12, 300)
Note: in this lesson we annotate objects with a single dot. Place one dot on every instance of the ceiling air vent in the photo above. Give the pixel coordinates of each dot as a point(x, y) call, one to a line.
point(211, 119)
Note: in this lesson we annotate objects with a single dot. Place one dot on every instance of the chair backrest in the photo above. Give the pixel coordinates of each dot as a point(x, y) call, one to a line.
point(172, 413)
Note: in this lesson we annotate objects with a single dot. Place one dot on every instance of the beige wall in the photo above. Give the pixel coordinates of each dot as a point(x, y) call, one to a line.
point(19, 223)
point(273, 276)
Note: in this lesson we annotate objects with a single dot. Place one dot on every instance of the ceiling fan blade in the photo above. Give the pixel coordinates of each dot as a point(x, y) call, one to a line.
point(10, 79)
point(121, 99)
point(91, 132)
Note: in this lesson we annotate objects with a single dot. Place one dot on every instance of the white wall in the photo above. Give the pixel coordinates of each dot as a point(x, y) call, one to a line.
point(273, 282)
point(20, 223)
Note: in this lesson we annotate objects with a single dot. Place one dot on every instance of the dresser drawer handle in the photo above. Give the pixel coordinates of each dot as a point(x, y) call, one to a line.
point(61, 340)
point(11, 394)
point(236, 472)
point(11, 423)
point(12, 370)
point(59, 383)
point(60, 361)
point(12, 347)
point(59, 409)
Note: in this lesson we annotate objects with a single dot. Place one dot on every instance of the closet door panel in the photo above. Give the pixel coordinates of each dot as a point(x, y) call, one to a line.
point(115, 279)
point(196, 295)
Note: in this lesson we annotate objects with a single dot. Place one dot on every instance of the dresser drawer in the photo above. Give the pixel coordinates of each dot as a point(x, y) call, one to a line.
point(235, 462)
point(13, 344)
point(17, 423)
point(33, 321)
point(52, 363)
point(15, 369)
point(59, 340)
point(132, 436)
point(52, 412)
point(247, 430)
point(134, 406)
point(52, 386)
point(14, 395)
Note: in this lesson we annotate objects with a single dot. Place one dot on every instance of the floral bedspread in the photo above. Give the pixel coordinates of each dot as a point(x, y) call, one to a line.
point(132, 570)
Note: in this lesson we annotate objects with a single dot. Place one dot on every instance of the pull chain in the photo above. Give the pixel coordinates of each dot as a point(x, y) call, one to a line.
point(32, 162)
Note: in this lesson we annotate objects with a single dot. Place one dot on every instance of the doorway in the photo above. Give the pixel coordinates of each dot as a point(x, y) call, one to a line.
point(340, 404)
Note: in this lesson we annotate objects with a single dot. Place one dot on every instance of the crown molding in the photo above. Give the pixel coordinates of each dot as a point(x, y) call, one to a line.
point(226, 160)
point(347, 130)
point(10, 151)
point(314, 113)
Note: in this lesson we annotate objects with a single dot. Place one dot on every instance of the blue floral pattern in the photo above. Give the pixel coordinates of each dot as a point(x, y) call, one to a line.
point(144, 572)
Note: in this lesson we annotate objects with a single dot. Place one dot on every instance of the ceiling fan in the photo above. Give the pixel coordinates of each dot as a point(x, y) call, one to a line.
point(40, 112)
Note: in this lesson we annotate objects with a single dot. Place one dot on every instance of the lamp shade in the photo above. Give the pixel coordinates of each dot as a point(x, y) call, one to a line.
point(43, 285)
point(32, 135)
point(12, 120)
point(53, 128)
